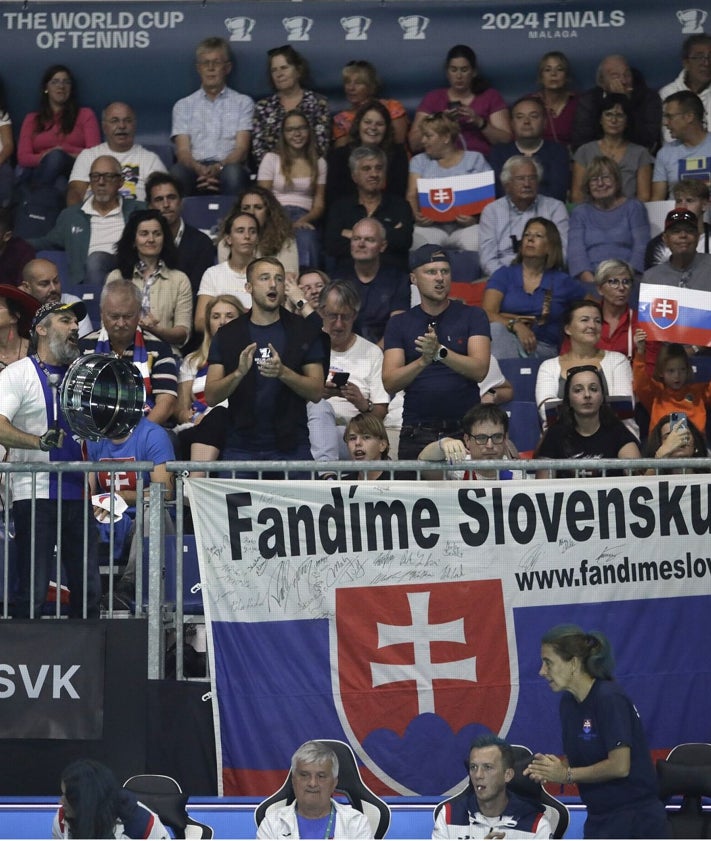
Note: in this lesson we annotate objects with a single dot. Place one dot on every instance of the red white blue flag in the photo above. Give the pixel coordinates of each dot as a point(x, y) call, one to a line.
point(405, 618)
point(675, 314)
point(443, 199)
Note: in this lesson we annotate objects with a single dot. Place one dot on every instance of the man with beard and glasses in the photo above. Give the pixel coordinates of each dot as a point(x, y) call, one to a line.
point(34, 430)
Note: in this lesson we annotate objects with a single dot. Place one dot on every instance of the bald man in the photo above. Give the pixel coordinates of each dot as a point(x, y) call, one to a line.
point(40, 278)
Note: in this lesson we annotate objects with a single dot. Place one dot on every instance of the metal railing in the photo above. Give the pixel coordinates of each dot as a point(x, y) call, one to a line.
point(167, 618)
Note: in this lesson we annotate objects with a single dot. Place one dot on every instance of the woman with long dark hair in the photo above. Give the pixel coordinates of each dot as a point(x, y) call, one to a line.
point(146, 255)
point(52, 137)
point(587, 427)
point(606, 751)
point(477, 108)
point(94, 806)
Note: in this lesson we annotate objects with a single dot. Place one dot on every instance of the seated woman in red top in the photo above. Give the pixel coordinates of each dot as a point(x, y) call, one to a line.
point(469, 99)
point(559, 101)
point(51, 138)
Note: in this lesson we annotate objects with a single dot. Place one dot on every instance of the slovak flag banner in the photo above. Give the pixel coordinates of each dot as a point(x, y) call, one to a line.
point(675, 314)
point(405, 618)
point(443, 199)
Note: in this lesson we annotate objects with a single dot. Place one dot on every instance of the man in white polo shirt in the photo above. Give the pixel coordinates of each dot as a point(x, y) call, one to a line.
point(89, 232)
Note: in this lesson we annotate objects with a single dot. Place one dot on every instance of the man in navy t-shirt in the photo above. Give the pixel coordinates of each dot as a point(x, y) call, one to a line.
point(268, 364)
point(437, 352)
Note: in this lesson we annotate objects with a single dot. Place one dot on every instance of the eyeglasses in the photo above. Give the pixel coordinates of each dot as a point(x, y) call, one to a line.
point(212, 64)
point(96, 177)
point(582, 369)
point(701, 57)
point(601, 179)
point(335, 316)
point(618, 282)
point(482, 440)
point(667, 116)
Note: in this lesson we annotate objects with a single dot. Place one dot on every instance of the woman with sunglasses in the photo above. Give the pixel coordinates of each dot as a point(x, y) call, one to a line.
point(582, 326)
point(288, 70)
point(361, 84)
point(587, 427)
point(606, 224)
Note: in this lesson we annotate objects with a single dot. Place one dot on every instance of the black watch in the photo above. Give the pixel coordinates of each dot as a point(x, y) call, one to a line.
point(441, 353)
point(300, 304)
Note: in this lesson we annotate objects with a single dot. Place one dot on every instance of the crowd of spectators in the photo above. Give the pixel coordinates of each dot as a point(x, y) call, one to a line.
point(329, 222)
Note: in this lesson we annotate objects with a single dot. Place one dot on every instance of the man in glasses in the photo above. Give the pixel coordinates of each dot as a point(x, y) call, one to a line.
point(118, 123)
point(89, 232)
point(689, 153)
point(485, 438)
point(695, 74)
point(685, 266)
point(212, 128)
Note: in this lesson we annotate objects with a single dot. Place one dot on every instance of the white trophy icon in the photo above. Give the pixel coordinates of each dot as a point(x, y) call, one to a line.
point(240, 28)
point(413, 27)
point(692, 21)
point(298, 28)
point(356, 27)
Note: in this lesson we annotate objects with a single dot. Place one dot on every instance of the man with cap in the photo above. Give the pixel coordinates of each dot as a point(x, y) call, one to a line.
point(685, 267)
point(34, 430)
point(437, 352)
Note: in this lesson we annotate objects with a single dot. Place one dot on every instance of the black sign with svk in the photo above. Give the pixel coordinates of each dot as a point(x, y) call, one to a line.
point(52, 680)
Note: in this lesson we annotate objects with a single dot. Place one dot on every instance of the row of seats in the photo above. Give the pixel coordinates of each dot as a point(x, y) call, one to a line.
point(685, 773)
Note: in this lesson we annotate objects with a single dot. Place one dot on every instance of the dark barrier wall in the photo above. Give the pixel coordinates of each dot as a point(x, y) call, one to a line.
point(33, 766)
point(143, 52)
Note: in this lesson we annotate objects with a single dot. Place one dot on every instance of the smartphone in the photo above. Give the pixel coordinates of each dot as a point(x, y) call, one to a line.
point(340, 378)
point(678, 420)
point(452, 105)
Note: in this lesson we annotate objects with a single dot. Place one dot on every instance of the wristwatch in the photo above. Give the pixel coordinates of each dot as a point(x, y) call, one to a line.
point(300, 304)
point(511, 325)
point(370, 406)
point(441, 353)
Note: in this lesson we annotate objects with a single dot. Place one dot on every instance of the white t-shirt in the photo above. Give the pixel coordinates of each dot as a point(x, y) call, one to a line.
point(222, 279)
point(364, 362)
point(137, 164)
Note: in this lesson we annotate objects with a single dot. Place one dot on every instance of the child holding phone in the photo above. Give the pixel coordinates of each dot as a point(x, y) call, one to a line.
point(671, 389)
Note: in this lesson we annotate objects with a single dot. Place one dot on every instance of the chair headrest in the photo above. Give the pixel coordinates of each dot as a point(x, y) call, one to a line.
point(689, 780)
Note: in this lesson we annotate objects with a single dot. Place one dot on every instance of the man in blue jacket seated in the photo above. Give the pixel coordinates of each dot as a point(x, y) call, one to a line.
point(486, 809)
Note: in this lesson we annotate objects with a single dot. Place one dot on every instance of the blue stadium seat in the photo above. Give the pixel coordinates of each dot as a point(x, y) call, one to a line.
point(521, 373)
point(702, 368)
point(524, 425)
point(192, 588)
point(59, 258)
point(205, 212)
point(90, 295)
point(465, 265)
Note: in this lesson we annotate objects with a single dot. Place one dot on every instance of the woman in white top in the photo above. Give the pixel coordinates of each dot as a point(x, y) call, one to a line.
point(276, 234)
point(296, 175)
point(241, 238)
point(582, 326)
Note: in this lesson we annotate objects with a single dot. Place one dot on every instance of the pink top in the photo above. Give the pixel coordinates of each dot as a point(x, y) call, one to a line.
point(32, 146)
point(343, 121)
point(484, 104)
point(560, 129)
point(299, 194)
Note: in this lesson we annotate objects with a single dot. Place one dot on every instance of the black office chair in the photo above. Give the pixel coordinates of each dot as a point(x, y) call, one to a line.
point(686, 772)
point(524, 787)
point(164, 796)
point(350, 785)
